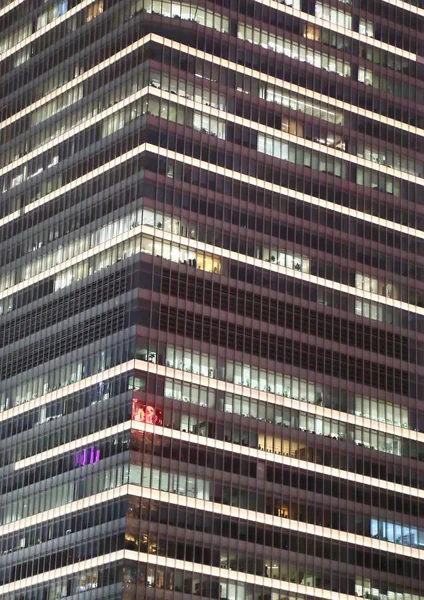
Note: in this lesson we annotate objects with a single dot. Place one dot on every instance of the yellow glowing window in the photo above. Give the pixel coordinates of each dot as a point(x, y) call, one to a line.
point(212, 265)
point(94, 10)
point(312, 32)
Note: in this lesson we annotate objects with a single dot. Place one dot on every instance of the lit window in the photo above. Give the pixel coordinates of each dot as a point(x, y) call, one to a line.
point(22, 56)
point(292, 3)
point(366, 283)
point(338, 17)
point(62, 7)
point(292, 50)
point(366, 28)
point(94, 10)
point(365, 76)
point(312, 32)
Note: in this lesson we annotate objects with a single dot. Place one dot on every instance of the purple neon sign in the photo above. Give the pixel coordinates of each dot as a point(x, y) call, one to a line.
point(87, 457)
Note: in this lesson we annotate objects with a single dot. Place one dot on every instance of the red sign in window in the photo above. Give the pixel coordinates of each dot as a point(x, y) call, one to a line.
point(146, 414)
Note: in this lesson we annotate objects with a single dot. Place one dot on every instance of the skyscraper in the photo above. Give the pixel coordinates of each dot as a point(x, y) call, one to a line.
point(211, 299)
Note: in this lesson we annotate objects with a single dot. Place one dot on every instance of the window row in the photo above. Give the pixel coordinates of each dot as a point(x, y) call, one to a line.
point(72, 249)
point(361, 406)
point(110, 124)
point(296, 154)
point(376, 286)
point(293, 419)
point(311, 449)
point(49, 14)
point(63, 376)
point(61, 432)
point(334, 15)
point(324, 487)
point(59, 528)
point(342, 247)
point(205, 96)
point(373, 310)
point(58, 104)
point(285, 445)
point(29, 423)
point(136, 576)
point(364, 588)
point(366, 27)
point(237, 561)
point(293, 50)
point(363, 26)
point(275, 383)
point(279, 345)
point(209, 178)
point(62, 494)
point(378, 410)
point(146, 244)
point(181, 227)
point(53, 107)
point(73, 584)
point(234, 495)
point(174, 252)
point(281, 149)
point(7, 42)
point(187, 89)
point(275, 147)
point(236, 529)
point(218, 525)
point(397, 533)
point(133, 82)
point(53, 12)
point(325, 163)
point(320, 110)
point(300, 103)
point(199, 584)
point(284, 499)
point(388, 158)
point(68, 465)
point(299, 52)
point(321, 60)
point(181, 10)
point(202, 585)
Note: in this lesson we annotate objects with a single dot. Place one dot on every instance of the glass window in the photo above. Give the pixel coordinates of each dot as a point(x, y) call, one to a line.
point(365, 76)
point(62, 7)
point(366, 27)
point(334, 15)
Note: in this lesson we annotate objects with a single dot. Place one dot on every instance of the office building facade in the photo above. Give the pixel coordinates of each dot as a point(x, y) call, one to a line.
point(211, 299)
